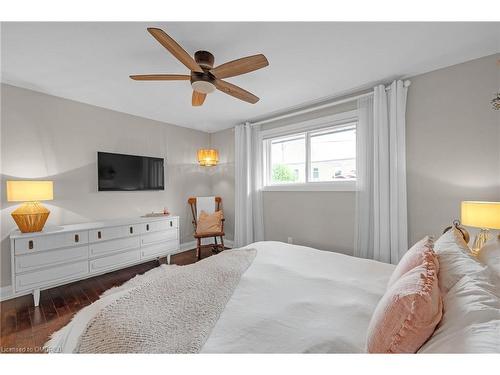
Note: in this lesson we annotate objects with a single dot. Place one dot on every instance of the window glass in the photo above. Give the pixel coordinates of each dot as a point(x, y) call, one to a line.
point(333, 155)
point(288, 159)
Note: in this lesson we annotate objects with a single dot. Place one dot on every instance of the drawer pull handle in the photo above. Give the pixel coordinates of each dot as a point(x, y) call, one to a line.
point(147, 226)
point(99, 235)
point(77, 238)
point(171, 224)
point(30, 244)
point(131, 230)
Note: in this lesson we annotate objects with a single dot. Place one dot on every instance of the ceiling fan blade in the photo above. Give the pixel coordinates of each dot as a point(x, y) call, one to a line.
point(198, 98)
point(240, 66)
point(175, 49)
point(160, 77)
point(235, 91)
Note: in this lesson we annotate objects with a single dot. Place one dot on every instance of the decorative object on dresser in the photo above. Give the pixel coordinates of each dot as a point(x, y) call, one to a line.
point(208, 157)
point(31, 216)
point(208, 205)
point(483, 215)
point(60, 255)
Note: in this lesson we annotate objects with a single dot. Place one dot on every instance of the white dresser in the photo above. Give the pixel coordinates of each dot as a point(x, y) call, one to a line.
point(59, 255)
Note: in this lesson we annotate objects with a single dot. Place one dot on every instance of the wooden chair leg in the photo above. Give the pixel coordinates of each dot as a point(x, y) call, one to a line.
point(198, 248)
point(222, 243)
point(215, 248)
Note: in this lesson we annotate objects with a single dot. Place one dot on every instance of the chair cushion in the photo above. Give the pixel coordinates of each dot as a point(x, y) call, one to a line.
point(209, 223)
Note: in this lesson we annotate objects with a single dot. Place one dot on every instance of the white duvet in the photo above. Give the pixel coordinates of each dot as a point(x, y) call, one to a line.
point(292, 299)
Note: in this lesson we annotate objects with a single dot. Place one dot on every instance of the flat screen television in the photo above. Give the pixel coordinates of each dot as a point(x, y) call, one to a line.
point(119, 172)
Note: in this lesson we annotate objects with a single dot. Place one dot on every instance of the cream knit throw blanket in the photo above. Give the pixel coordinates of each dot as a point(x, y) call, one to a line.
point(173, 313)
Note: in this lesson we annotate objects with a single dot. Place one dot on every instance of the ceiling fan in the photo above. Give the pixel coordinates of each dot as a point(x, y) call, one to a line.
point(204, 77)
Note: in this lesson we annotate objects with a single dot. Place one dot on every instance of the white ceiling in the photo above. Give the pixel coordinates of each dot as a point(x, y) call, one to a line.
point(91, 62)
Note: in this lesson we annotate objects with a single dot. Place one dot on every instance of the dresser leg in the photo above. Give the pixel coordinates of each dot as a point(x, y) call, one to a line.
point(36, 297)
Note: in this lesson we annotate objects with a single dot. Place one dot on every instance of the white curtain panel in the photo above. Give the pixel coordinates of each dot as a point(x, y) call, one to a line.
point(381, 209)
point(249, 220)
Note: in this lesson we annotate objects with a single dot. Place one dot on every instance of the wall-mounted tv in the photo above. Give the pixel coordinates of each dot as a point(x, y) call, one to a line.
point(119, 172)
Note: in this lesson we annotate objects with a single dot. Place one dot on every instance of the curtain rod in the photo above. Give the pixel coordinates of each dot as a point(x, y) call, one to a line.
point(321, 106)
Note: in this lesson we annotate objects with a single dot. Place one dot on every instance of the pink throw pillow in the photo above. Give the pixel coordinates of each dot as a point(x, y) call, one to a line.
point(412, 258)
point(409, 311)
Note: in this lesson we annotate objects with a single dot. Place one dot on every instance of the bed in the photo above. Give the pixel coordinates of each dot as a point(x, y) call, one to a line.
point(291, 299)
point(286, 299)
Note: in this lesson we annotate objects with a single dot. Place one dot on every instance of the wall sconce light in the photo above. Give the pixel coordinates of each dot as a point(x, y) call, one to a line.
point(208, 157)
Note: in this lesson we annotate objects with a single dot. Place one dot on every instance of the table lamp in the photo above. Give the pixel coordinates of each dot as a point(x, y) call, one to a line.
point(484, 215)
point(31, 216)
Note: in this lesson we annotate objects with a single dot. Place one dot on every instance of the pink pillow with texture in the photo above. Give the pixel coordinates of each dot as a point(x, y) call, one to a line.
point(409, 311)
point(412, 258)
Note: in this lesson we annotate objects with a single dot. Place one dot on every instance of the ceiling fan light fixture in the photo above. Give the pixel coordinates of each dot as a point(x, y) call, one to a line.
point(204, 87)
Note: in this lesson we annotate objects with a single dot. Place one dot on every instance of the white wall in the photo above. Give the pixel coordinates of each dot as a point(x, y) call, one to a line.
point(46, 137)
point(453, 143)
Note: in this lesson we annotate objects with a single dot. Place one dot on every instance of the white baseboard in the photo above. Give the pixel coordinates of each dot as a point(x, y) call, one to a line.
point(6, 292)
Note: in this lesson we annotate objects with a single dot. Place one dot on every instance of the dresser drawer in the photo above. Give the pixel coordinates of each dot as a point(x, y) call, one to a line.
point(135, 229)
point(160, 249)
point(114, 261)
point(53, 275)
point(105, 234)
point(106, 247)
point(149, 239)
point(156, 226)
point(29, 262)
point(53, 241)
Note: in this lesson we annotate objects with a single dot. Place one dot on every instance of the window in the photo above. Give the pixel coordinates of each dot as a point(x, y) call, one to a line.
point(311, 158)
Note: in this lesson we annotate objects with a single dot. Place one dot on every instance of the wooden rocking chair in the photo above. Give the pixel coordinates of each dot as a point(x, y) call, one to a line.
point(216, 247)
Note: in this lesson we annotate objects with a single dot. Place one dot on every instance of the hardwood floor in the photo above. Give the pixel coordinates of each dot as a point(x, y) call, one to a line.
point(25, 328)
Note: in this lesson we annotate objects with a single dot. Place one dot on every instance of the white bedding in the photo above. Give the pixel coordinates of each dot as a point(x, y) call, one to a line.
point(292, 299)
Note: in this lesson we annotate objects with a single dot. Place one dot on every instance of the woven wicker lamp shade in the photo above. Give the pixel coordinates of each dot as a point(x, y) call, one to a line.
point(208, 157)
point(31, 216)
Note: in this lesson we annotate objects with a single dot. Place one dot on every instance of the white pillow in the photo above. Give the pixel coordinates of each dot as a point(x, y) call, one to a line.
point(471, 319)
point(455, 259)
point(471, 301)
point(490, 255)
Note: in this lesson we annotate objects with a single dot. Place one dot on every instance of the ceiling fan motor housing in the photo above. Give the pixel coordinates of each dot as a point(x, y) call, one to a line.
point(203, 82)
point(204, 59)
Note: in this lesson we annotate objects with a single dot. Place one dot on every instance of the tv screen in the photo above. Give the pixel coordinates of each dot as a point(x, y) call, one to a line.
point(129, 172)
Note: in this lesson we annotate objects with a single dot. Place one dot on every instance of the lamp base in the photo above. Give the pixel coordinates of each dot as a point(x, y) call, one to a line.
point(30, 217)
point(481, 238)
